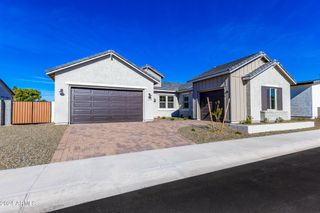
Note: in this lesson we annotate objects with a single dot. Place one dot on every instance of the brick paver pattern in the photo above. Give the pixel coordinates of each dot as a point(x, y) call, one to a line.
point(92, 140)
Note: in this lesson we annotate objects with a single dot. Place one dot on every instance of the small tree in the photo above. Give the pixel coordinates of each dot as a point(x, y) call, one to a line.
point(217, 113)
point(26, 94)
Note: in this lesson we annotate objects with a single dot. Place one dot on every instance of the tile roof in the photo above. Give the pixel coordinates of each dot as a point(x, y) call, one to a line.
point(229, 67)
point(316, 81)
point(172, 86)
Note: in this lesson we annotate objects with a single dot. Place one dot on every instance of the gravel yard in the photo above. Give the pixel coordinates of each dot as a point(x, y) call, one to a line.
point(28, 145)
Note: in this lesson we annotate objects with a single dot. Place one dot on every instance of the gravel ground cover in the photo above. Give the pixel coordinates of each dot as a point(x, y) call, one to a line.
point(28, 145)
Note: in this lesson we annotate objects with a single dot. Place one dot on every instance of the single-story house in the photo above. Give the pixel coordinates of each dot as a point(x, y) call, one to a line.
point(6, 96)
point(106, 87)
point(305, 99)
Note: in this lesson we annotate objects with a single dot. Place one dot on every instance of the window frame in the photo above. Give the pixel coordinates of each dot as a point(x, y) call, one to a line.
point(271, 97)
point(184, 102)
point(171, 102)
point(166, 102)
point(162, 102)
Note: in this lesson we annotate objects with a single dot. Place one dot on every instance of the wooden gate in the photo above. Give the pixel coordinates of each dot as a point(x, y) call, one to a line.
point(31, 112)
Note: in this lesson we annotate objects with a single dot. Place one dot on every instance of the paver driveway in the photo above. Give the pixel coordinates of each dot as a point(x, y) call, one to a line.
point(91, 140)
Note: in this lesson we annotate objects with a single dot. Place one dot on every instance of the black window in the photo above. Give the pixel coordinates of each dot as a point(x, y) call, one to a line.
point(186, 102)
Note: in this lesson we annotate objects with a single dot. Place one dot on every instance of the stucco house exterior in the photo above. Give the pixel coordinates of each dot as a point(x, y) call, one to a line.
point(305, 99)
point(107, 87)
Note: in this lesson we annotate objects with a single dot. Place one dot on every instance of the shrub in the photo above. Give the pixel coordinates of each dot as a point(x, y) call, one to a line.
point(172, 119)
point(193, 130)
point(279, 120)
point(163, 117)
point(238, 133)
point(217, 113)
point(265, 120)
point(247, 121)
point(300, 119)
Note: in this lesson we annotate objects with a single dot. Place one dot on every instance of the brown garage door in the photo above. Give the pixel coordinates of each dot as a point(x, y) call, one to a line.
point(217, 95)
point(101, 105)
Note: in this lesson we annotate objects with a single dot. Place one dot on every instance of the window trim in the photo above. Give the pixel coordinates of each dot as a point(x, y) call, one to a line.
point(185, 102)
point(275, 98)
point(161, 102)
point(171, 102)
point(166, 102)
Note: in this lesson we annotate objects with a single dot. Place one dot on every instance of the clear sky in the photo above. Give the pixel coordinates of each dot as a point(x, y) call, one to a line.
point(179, 38)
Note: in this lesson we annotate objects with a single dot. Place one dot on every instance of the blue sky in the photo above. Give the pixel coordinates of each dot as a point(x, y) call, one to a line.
point(179, 38)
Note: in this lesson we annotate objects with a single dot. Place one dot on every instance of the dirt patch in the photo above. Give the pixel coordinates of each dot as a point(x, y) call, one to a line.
point(204, 133)
point(28, 145)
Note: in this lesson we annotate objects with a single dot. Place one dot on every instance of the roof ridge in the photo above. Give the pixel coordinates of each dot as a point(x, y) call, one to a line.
point(230, 66)
point(153, 69)
point(101, 54)
point(264, 67)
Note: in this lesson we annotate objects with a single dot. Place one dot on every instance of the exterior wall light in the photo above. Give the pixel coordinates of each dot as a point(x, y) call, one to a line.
point(61, 92)
point(149, 96)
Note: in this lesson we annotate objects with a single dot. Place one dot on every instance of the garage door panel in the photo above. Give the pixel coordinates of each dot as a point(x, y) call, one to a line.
point(81, 104)
point(98, 105)
point(82, 111)
point(80, 91)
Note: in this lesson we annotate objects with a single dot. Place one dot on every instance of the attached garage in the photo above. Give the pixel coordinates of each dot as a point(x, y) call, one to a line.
point(214, 97)
point(89, 105)
point(101, 88)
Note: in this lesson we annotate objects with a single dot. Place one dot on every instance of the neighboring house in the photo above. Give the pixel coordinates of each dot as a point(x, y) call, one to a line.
point(305, 99)
point(106, 87)
point(5, 92)
point(6, 95)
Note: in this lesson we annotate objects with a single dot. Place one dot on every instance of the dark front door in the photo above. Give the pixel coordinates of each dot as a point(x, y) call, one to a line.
point(214, 97)
point(105, 105)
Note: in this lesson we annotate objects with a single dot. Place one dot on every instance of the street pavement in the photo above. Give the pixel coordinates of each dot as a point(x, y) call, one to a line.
point(290, 183)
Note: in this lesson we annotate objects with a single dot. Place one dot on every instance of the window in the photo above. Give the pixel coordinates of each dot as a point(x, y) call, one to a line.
point(170, 102)
point(273, 98)
point(186, 102)
point(166, 102)
point(162, 102)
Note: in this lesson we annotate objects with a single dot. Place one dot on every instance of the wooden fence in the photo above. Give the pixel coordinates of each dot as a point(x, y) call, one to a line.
point(31, 112)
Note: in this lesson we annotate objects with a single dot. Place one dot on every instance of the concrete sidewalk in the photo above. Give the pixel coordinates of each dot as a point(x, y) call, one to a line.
point(59, 185)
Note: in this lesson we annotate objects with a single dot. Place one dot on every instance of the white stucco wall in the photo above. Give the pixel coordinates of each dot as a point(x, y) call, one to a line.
point(165, 112)
point(106, 73)
point(301, 101)
point(269, 78)
point(315, 100)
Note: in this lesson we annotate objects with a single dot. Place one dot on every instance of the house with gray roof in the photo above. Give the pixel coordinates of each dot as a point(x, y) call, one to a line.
point(5, 92)
point(107, 87)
